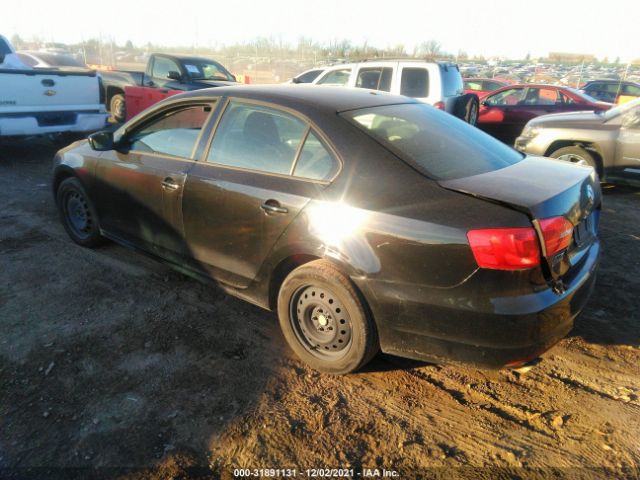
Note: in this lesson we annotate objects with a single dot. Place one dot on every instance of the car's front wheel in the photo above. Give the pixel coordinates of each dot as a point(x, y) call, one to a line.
point(577, 155)
point(78, 214)
point(324, 320)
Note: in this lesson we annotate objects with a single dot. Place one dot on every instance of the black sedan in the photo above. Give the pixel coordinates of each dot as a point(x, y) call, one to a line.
point(367, 221)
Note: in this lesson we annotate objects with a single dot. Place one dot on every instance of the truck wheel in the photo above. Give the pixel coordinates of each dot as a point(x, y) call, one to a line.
point(78, 214)
point(577, 155)
point(118, 108)
point(324, 319)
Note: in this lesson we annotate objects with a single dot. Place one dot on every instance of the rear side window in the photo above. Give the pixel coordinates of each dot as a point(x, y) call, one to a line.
point(257, 138)
point(162, 66)
point(315, 162)
point(437, 144)
point(375, 78)
point(175, 133)
point(414, 82)
point(336, 77)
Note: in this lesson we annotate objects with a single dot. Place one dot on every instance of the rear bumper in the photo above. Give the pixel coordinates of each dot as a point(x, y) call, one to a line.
point(46, 122)
point(462, 327)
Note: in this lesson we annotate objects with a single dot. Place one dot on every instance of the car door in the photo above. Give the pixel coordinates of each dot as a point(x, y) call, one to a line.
point(139, 186)
point(498, 114)
point(262, 167)
point(627, 162)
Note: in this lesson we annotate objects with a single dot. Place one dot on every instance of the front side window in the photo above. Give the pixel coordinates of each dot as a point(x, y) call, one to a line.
point(336, 77)
point(437, 144)
point(414, 82)
point(541, 96)
point(174, 133)
point(511, 96)
point(308, 77)
point(257, 138)
point(162, 66)
point(375, 78)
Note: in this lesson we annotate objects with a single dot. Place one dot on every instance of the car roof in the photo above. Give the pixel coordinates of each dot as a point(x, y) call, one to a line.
point(185, 57)
point(318, 97)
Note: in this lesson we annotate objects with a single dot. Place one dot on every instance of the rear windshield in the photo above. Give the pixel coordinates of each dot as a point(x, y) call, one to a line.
point(436, 143)
point(452, 83)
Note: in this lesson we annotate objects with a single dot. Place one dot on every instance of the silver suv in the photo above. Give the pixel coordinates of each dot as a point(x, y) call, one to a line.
point(437, 83)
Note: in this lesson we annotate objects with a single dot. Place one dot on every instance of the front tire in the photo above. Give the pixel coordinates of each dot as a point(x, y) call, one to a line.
point(576, 155)
point(118, 108)
point(324, 320)
point(78, 214)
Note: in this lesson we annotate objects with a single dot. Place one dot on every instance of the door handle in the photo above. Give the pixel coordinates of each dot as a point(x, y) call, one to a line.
point(169, 184)
point(163, 90)
point(272, 206)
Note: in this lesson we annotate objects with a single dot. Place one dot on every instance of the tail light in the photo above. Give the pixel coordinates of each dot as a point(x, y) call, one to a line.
point(439, 105)
point(557, 233)
point(518, 248)
point(505, 248)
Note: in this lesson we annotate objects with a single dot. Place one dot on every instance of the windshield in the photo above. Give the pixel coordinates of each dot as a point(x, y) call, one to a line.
point(437, 144)
point(633, 108)
point(207, 70)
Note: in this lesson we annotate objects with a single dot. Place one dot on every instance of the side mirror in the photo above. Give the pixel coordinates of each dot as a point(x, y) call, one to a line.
point(295, 80)
point(173, 75)
point(101, 141)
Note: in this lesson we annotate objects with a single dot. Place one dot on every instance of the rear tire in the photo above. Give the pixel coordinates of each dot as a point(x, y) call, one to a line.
point(118, 108)
point(577, 155)
point(324, 320)
point(78, 214)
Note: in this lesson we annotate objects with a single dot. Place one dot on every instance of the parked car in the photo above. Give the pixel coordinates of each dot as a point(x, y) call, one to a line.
point(607, 141)
point(49, 60)
point(165, 75)
point(47, 101)
point(365, 220)
point(613, 91)
point(437, 83)
point(504, 113)
point(482, 86)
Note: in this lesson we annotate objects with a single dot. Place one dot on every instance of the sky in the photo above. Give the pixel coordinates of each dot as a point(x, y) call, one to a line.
point(491, 28)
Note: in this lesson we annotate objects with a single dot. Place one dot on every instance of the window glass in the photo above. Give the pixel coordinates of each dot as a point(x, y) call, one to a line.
point(375, 78)
point(540, 96)
point(315, 162)
point(511, 96)
point(473, 85)
point(566, 99)
point(491, 86)
point(162, 66)
point(258, 138)
point(336, 77)
point(451, 80)
point(630, 90)
point(206, 70)
point(174, 134)
point(437, 144)
point(414, 82)
point(308, 77)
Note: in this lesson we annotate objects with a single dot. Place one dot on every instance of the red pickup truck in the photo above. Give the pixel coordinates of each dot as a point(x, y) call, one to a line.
point(127, 93)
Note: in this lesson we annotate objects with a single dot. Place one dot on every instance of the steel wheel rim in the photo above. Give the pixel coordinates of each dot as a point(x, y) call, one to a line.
point(573, 158)
point(78, 214)
point(321, 322)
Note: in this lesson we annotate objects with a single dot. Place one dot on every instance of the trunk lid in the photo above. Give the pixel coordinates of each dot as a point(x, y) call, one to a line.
point(543, 188)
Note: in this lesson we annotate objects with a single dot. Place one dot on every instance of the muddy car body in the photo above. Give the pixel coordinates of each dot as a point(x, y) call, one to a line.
point(470, 252)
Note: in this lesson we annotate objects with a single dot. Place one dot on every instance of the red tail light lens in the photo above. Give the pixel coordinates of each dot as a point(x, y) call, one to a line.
point(439, 105)
point(505, 248)
point(557, 233)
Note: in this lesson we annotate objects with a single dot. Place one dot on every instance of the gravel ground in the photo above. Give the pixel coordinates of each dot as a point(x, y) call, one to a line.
point(112, 362)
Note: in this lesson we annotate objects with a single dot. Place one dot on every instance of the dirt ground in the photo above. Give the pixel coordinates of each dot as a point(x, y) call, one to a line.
point(115, 366)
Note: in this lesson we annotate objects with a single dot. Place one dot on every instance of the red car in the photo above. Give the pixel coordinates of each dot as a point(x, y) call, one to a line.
point(483, 86)
point(505, 112)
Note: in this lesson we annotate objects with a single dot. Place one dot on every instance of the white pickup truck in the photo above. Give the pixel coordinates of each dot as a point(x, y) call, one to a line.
point(36, 101)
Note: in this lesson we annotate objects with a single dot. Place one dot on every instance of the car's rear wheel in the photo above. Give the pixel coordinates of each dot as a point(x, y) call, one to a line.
point(78, 214)
point(576, 155)
point(324, 320)
point(118, 108)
